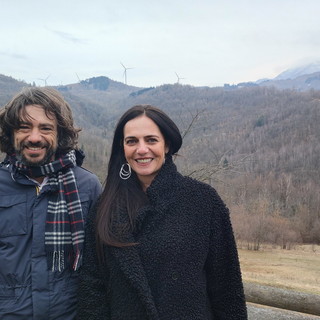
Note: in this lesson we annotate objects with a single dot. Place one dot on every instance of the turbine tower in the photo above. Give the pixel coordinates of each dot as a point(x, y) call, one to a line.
point(125, 72)
point(178, 78)
point(44, 80)
point(78, 78)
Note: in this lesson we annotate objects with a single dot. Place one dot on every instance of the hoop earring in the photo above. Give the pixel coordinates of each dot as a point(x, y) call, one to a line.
point(123, 173)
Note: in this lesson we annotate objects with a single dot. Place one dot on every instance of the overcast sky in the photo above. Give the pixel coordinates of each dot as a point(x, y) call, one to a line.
point(204, 42)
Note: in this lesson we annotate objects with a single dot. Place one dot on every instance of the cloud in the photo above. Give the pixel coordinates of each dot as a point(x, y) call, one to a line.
point(13, 55)
point(68, 36)
point(210, 44)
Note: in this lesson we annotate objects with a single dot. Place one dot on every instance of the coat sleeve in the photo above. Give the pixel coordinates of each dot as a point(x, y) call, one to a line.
point(92, 293)
point(95, 190)
point(224, 282)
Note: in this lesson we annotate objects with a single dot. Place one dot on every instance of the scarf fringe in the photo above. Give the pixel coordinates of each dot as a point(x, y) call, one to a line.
point(59, 260)
point(77, 261)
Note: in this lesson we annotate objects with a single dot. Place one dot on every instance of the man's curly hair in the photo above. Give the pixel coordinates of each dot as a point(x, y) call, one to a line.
point(14, 112)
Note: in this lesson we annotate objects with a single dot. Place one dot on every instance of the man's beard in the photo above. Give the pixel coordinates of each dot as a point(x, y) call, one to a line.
point(46, 159)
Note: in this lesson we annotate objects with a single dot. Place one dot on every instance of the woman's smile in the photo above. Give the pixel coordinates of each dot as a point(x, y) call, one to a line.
point(144, 148)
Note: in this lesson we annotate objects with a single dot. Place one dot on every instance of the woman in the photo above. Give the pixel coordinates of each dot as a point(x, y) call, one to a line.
point(159, 245)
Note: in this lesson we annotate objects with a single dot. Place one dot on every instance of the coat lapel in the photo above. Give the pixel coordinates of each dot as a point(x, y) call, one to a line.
point(131, 266)
point(160, 197)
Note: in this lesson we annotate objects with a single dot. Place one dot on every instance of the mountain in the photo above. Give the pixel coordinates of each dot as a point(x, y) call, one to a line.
point(257, 145)
point(300, 78)
point(9, 86)
point(301, 83)
point(296, 72)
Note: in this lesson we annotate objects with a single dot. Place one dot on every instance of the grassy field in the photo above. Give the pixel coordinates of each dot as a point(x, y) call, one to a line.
point(297, 269)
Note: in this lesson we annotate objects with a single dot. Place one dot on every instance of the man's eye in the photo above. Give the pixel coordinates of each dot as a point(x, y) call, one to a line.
point(23, 127)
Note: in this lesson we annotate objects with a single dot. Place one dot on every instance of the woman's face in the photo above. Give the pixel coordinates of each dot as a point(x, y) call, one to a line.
point(144, 148)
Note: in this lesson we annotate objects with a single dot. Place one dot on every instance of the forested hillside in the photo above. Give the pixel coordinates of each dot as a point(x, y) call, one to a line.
point(258, 146)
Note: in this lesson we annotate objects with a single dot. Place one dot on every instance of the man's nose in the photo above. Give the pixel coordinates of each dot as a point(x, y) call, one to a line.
point(35, 136)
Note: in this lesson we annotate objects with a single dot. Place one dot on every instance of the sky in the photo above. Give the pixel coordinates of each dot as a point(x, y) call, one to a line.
point(198, 43)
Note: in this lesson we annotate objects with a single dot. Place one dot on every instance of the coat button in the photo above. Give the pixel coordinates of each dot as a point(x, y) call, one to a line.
point(174, 275)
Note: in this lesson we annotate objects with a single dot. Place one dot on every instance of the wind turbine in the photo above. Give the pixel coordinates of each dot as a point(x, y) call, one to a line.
point(125, 72)
point(45, 80)
point(78, 78)
point(178, 78)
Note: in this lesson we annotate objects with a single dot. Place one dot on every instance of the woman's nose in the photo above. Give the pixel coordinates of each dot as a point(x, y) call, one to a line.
point(142, 148)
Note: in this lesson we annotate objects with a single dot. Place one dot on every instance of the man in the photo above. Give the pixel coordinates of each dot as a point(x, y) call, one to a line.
point(45, 196)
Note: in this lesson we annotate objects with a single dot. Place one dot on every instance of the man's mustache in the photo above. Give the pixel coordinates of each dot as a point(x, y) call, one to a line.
point(34, 145)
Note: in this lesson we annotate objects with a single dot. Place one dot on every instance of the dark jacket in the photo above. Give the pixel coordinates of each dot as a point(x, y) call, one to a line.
point(185, 265)
point(28, 289)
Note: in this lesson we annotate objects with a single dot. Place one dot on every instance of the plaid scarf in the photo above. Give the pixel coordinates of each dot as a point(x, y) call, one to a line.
point(64, 231)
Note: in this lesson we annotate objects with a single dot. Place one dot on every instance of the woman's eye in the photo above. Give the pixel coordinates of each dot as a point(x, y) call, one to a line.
point(130, 141)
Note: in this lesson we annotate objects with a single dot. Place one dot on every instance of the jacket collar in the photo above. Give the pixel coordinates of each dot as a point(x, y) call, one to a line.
point(160, 193)
point(22, 178)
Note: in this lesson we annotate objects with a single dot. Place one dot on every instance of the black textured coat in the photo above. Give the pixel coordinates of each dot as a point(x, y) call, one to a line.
point(185, 265)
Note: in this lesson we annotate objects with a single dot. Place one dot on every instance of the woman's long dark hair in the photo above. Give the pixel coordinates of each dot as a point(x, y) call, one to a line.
point(127, 195)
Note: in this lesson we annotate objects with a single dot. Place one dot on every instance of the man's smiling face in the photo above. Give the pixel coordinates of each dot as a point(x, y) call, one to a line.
point(36, 139)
